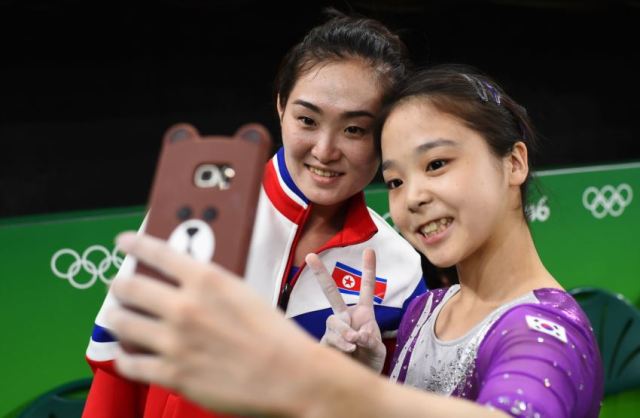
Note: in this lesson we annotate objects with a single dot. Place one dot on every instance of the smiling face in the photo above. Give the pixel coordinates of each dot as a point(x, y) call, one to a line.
point(449, 195)
point(327, 130)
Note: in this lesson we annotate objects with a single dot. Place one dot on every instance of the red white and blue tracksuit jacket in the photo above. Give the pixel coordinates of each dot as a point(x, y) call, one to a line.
point(281, 213)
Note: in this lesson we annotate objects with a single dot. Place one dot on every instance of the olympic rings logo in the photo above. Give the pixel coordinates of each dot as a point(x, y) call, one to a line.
point(85, 265)
point(607, 200)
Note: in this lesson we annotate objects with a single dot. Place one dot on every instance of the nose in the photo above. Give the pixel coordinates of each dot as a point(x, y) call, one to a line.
point(418, 196)
point(326, 148)
point(192, 231)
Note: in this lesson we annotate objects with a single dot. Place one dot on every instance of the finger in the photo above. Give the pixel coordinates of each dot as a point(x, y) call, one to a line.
point(327, 284)
point(157, 254)
point(145, 294)
point(337, 325)
point(368, 285)
point(137, 329)
point(148, 368)
point(366, 339)
point(334, 340)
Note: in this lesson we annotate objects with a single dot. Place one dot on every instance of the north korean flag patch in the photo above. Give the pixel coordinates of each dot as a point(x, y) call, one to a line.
point(547, 327)
point(348, 281)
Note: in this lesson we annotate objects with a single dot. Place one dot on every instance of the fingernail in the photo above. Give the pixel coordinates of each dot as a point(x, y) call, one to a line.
point(311, 261)
point(125, 240)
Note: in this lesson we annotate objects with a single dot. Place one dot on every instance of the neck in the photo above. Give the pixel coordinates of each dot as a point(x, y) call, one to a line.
point(322, 224)
point(327, 217)
point(505, 267)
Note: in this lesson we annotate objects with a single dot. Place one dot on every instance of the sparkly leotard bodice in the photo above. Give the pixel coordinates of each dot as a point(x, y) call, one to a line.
point(535, 356)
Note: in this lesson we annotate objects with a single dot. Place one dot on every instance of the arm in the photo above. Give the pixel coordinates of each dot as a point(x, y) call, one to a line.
point(334, 386)
point(111, 395)
point(540, 360)
point(216, 342)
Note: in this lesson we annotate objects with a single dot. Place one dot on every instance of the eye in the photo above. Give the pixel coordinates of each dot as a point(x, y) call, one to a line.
point(354, 131)
point(306, 121)
point(393, 184)
point(184, 213)
point(209, 214)
point(436, 165)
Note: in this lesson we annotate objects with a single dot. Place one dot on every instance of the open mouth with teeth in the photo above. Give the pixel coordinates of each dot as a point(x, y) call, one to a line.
point(435, 227)
point(323, 173)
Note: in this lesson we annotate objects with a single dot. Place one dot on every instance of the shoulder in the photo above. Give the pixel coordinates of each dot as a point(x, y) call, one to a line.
point(395, 256)
point(419, 303)
point(544, 346)
point(387, 239)
point(555, 313)
point(415, 309)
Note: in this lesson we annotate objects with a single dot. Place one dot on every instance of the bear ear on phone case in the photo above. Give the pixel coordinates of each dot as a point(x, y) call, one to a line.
point(205, 193)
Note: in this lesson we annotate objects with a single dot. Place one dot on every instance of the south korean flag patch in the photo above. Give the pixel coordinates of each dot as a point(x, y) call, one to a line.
point(547, 327)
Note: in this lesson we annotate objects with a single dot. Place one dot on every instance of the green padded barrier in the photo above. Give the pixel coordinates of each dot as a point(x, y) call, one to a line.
point(65, 401)
point(616, 324)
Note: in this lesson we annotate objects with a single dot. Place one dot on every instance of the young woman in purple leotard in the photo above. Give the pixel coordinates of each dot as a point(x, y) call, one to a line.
point(506, 341)
point(455, 160)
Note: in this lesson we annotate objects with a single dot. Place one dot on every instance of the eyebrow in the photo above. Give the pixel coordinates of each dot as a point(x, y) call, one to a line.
point(422, 148)
point(345, 115)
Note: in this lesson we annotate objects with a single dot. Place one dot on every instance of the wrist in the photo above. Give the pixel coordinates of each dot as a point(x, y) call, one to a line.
point(336, 386)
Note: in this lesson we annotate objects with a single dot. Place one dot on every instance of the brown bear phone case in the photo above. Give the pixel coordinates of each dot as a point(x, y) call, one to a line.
point(205, 192)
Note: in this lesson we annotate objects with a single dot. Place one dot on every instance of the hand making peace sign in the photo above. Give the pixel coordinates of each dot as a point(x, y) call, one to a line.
point(352, 329)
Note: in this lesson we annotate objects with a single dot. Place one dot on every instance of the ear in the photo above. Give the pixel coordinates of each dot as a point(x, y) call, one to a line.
point(181, 132)
point(279, 107)
point(518, 164)
point(254, 132)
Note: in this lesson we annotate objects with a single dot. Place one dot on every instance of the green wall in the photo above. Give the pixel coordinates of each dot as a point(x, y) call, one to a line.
point(586, 225)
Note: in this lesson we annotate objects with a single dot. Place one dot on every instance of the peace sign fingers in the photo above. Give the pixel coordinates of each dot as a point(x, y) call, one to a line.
point(327, 284)
point(368, 285)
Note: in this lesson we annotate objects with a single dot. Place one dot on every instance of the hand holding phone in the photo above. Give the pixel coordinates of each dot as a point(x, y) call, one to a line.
point(204, 195)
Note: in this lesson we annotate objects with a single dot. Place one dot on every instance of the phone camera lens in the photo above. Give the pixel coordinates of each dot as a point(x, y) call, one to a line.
point(206, 175)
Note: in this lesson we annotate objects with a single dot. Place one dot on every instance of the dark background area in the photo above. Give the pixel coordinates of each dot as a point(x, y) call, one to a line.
point(88, 88)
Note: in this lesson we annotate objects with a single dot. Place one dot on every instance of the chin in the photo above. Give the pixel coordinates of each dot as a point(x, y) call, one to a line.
point(444, 264)
point(324, 199)
point(329, 197)
point(440, 260)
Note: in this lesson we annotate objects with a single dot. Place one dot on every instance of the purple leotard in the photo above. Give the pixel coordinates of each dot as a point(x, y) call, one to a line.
point(536, 358)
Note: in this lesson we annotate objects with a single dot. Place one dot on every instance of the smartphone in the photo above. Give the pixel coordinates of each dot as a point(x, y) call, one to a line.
point(205, 193)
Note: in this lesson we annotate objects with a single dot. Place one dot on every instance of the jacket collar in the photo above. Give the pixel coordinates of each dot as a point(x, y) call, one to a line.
point(293, 204)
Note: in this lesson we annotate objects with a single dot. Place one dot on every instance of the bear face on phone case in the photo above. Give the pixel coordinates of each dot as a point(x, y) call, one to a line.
point(205, 193)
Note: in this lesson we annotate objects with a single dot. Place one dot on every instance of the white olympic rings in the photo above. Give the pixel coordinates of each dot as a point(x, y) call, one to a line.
point(608, 200)
point(83, 263)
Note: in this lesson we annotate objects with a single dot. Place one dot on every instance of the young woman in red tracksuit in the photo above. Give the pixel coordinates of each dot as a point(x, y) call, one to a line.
point(329, 89)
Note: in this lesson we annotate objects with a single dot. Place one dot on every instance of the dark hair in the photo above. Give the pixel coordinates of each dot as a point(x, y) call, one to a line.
point(342, 37)
point(475, 99)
